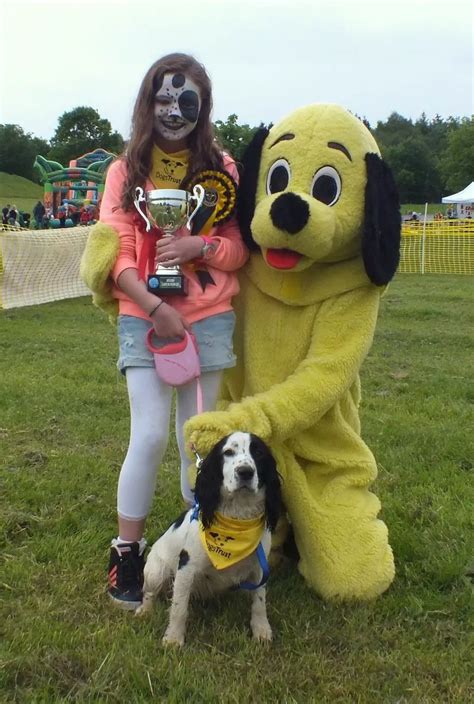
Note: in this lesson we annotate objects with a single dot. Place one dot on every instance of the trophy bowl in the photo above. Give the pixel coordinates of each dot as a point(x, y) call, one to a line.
point(169, 210)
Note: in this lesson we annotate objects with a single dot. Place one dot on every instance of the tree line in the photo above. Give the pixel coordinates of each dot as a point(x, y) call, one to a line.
point(429, 157)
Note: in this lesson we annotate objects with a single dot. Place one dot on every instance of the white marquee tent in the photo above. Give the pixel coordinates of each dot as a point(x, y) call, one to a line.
point(463, 201)
point(465, 196)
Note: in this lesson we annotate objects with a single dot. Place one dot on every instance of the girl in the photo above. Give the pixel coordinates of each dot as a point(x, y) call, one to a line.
point(172, 138)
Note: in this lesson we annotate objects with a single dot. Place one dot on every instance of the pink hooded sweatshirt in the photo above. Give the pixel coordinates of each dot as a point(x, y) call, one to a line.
point(230, 254)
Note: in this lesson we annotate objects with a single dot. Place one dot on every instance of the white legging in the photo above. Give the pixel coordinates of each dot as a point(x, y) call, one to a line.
point(150, 409)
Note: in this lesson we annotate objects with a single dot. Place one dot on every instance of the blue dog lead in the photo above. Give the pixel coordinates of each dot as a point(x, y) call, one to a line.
point(262, 558)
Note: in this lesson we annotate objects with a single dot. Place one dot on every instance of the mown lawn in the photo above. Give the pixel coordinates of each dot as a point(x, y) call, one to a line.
point(420, 208)
point(64, 431)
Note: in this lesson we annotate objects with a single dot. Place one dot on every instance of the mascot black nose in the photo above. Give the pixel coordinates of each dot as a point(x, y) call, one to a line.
point(289, 212)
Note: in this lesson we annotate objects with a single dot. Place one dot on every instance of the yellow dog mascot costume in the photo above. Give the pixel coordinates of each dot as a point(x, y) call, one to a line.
point(319, 210)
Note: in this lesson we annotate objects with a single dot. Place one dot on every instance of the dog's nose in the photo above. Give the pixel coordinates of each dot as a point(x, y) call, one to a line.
point(245, 473)
point(290, 213)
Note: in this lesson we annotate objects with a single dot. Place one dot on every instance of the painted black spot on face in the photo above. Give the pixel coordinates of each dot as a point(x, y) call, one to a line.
point(178, 80)
point(176, 110)
point(188, 103)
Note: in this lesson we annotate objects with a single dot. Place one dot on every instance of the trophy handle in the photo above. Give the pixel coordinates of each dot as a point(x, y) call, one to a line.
point(198, 196)
point(140, 198)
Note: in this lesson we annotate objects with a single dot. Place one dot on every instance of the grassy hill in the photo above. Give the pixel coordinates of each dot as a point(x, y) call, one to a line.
point(19, 191)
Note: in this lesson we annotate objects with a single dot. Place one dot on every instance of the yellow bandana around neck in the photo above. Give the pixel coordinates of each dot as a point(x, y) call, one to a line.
point(168, 170)
point(229, 540)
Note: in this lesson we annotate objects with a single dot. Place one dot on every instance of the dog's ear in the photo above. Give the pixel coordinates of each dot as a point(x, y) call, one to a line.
point(248, 186)
point(208, 484)
point(269, 476)
point(272, 495)
point(382, 224)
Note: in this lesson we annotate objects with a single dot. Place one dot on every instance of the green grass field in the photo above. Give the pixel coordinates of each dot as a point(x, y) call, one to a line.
point(64, 431)
point(433, 208)
point(19, 191)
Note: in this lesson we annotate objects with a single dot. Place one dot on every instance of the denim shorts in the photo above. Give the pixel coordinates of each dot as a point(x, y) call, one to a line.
point(213, 336)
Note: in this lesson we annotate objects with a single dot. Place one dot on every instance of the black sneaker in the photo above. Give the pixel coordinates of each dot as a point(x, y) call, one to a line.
point(126, 574)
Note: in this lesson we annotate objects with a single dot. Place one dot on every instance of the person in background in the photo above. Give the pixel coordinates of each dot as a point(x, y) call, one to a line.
point(172, 138)
point(74, 214)
point(62, 216)
point(93, 213)
point(38, 212)
point(5, 212)
point(84, 216)
point(13, 216)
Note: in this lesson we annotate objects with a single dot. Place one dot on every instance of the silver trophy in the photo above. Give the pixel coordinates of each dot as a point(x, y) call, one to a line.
point(169, 210)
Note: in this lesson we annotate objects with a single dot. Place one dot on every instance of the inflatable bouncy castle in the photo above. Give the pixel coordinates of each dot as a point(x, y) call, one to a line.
point(80, 183)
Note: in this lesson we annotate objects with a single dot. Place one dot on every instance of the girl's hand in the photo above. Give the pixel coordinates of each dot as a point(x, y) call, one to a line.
point(167, 322)
point(173, 250)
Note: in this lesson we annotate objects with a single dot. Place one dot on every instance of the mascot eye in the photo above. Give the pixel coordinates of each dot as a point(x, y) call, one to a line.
point(278, 177)
point(326, 185)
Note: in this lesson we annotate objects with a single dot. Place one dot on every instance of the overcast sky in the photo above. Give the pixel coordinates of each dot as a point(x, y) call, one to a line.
point(265, 57)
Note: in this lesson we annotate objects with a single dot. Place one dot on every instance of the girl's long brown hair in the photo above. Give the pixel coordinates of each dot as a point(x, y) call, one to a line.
point(205, 153)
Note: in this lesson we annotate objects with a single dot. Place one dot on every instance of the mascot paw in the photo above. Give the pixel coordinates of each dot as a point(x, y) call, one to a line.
point(205, 430)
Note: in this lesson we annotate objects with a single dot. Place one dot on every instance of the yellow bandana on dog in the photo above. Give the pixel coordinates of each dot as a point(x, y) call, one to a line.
point(229, 540)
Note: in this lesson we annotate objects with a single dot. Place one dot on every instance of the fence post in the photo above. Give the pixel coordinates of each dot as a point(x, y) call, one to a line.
point(423, 236)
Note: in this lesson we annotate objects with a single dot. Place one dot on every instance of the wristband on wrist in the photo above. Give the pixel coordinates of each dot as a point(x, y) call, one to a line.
point(208, 247)
point(155, 308)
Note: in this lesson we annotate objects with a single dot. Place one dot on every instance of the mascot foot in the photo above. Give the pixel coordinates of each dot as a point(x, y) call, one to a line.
point(351, 564)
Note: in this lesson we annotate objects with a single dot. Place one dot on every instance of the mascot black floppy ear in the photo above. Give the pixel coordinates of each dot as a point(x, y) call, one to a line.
point(382, 223)
point(248, 186)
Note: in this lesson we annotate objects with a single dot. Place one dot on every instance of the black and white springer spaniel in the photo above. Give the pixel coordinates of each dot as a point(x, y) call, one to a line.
point(237, 485)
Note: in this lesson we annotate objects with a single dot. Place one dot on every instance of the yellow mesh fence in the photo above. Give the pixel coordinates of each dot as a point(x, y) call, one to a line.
point(12, 228)
point(39, 266)
point(438, 247)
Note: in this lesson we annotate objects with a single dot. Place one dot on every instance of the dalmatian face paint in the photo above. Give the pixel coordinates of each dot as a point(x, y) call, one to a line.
point(177, 105)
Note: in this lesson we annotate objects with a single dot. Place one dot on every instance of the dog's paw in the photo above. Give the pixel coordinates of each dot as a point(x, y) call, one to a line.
point(173, 639)
point(262, 631)
point(142, 611)
point(145, 607)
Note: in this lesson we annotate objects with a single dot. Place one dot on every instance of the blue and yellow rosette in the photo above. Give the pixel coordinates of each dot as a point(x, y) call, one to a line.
point(220, 197)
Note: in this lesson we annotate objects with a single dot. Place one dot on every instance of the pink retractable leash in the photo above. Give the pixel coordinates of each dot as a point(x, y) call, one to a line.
point(177, 363)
